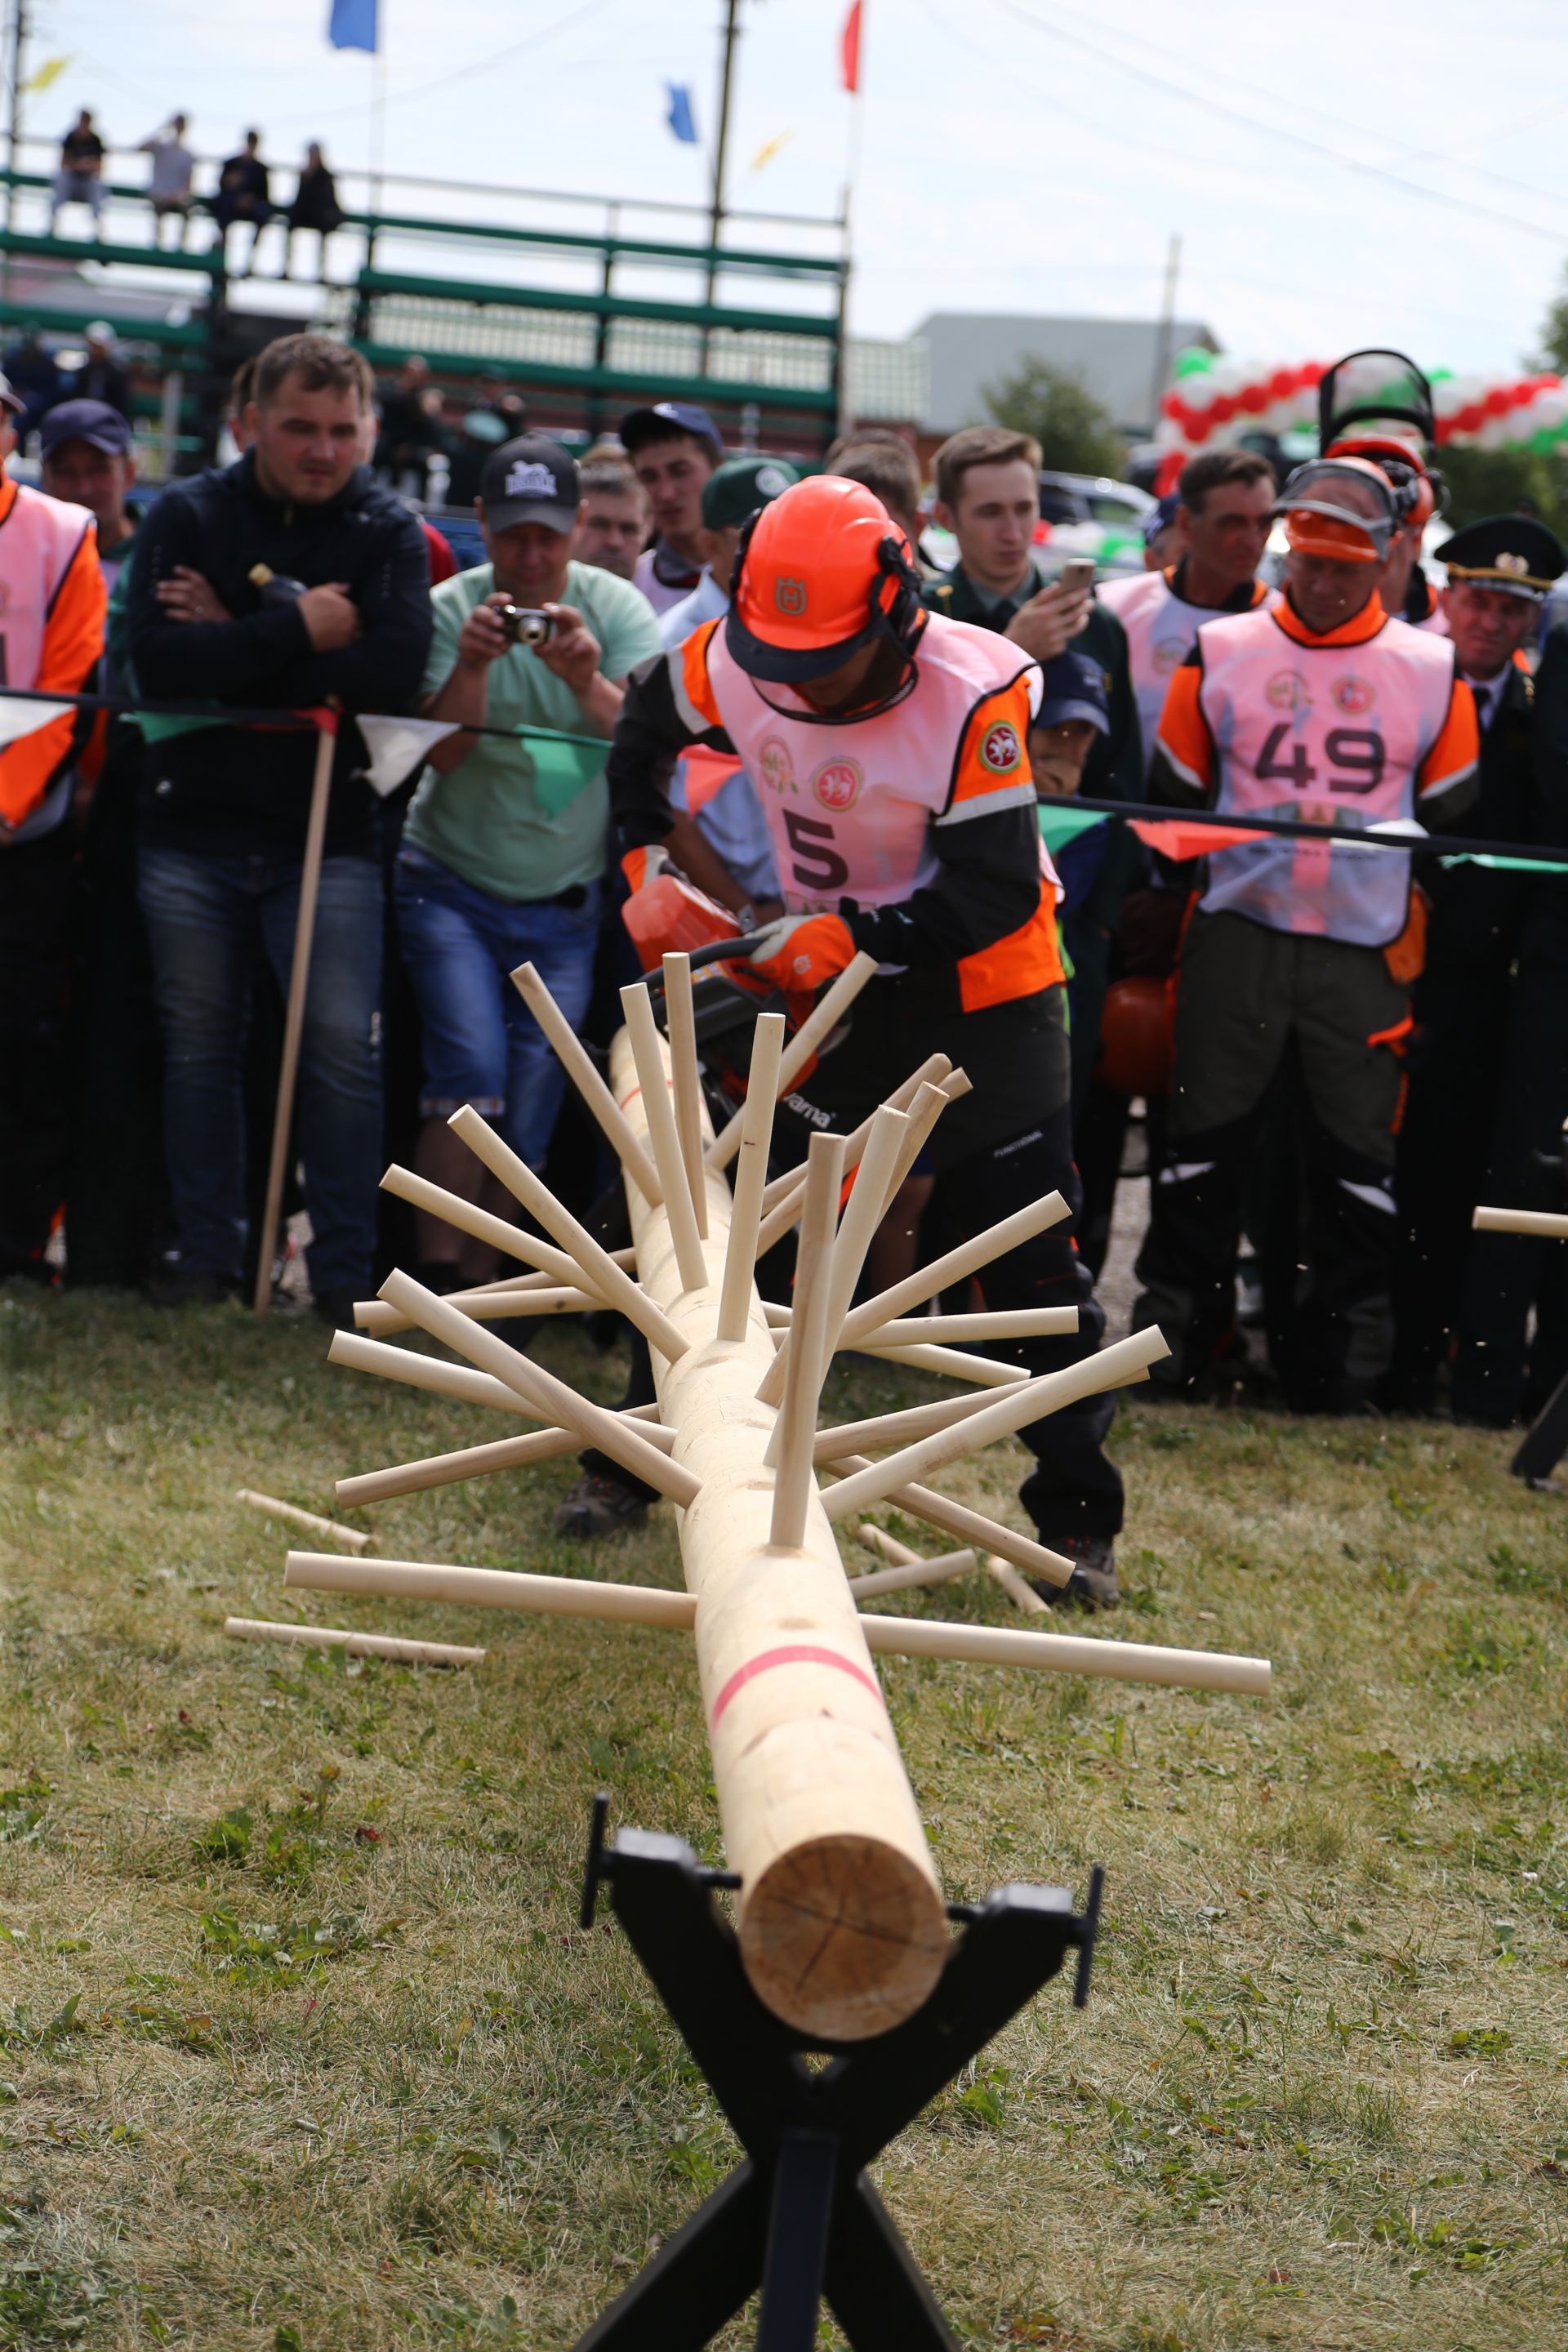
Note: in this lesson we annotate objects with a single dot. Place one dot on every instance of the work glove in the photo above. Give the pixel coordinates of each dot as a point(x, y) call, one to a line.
point(642, 866)
point(803, 952)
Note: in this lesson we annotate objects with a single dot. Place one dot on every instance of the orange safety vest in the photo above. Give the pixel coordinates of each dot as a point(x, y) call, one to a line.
point(52, 603)
point(852, 809)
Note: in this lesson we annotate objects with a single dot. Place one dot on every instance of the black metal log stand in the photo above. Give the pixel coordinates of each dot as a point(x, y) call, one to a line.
point(798, 2218)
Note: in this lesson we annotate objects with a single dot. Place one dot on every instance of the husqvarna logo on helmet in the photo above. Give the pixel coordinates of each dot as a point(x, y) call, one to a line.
point(789, 595)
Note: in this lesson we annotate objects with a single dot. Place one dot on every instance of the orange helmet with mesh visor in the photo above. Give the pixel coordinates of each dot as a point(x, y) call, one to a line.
point(821, 570)
point(1343, 508)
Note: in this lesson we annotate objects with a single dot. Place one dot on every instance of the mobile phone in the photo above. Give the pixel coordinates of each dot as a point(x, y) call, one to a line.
point(1077, 574)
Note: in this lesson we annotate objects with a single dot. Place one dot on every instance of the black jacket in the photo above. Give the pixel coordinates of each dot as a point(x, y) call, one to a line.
point(235, 790)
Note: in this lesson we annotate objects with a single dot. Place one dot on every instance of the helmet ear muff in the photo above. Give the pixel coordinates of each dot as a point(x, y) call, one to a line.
point(747, 527)
point(897, 596)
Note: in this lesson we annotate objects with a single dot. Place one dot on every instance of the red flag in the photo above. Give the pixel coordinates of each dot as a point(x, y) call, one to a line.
point(849, 49)
point(1175, 840)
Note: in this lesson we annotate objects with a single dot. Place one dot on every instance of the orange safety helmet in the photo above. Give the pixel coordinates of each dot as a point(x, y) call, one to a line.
point(821, 570)
point(1414, 492)
point(1325, 516)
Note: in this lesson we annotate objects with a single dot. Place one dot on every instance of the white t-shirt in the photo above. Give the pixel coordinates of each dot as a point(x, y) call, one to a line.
point(172, 167)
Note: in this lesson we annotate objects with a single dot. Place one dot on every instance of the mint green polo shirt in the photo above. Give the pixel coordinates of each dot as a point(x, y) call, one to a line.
point(484, 818)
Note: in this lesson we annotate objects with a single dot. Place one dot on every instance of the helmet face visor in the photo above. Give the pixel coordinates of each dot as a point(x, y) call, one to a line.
point(1343, 508)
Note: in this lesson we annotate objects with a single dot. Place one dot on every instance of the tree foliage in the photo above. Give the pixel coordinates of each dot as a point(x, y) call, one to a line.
point(1075, 432)
point(1498, 481)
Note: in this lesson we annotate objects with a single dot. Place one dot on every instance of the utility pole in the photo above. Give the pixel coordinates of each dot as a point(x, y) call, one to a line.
point(1164, 340)
point(721, 150)
point(16, 38)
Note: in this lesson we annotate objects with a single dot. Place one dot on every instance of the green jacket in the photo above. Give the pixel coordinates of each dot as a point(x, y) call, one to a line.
point(1114, 768)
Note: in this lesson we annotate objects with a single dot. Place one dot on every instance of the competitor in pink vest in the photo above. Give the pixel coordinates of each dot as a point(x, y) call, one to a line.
point(889, 747)
point(1226, 503)
point(52, 602)
point(1318, 708)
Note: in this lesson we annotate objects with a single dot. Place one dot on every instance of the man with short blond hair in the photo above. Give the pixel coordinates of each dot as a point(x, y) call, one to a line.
point(286, 581)
point(613, 520)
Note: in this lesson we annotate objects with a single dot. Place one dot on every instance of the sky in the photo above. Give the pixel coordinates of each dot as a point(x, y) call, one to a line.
point(1392, 174)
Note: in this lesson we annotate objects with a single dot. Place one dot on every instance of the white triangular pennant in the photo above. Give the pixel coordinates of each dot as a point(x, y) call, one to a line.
point(20, 718)
point(396, 747)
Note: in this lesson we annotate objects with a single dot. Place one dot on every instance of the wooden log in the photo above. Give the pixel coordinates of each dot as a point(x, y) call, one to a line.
point(751, 1176)
point(357, 1645)
point(355, 1537)
point(681, 1027)
point(904, 1637)
point(1129, 1360)
point(660, 1111)
point(1546, 1222)
point(482, 1461)
point(578, 1062)
point(825, 1015)
point(554, 1400)
point(597, 1268)
point(841, 1920)
point(795, 1481)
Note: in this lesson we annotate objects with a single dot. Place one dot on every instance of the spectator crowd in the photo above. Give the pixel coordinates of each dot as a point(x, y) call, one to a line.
point(1332, 1054)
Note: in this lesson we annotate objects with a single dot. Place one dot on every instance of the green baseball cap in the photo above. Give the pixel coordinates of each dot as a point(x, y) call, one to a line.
point(737, 489)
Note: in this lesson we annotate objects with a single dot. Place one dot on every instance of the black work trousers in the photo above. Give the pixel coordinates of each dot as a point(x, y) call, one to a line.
point(36, 891)
point(1074, 1488)
point(1249, 1000)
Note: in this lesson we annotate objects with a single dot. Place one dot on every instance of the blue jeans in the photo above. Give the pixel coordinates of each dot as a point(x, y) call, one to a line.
point(482, 1045)
point(204, 918)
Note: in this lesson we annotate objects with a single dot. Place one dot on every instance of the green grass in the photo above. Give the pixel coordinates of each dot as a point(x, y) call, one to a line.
point(301, 2048)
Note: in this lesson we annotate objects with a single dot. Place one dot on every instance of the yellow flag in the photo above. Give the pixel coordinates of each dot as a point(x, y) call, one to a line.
point(47, 73)
point(770, 148)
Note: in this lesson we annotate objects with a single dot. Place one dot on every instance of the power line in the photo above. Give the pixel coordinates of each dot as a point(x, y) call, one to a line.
point(1218, 107)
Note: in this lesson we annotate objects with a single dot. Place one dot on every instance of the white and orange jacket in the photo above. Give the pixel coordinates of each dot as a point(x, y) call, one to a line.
point(52, 603)
point(1367, 724)
point(916, 825)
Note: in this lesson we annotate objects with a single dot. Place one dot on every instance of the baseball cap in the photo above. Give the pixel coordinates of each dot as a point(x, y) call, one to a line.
point(737, 489)
point(531, 480)
point(1160, 517)
point(666, 417)
point(1074, 687)
point(93, 421)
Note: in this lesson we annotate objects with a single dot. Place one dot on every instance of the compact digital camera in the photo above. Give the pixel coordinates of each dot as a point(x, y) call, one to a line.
point(523, 625)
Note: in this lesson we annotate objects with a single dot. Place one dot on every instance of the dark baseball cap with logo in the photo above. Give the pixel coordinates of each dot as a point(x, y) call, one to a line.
point(734, 490)
point(93, 421)
point(657, 422)
point(531, 480)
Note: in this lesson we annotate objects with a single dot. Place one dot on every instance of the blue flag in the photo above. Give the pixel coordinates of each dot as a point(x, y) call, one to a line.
point(352, 24)
point(680, 115)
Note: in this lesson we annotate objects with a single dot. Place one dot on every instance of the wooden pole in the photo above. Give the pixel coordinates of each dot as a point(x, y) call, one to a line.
point(355, 1537)
point(967, 1258)
point(841, 1920)
point(1003, 1323)
point(294, 1015)
point(413, 1369)
point(578, 1062)
point(931, 1071)
point(357, 1645)
point(794, 1481)
point(862, 1219)
point(971, 1526)
point(374, 1317)
point(751, 1176)
point(1546, 1222)
point(681, 1025)
point(482, 1224)
point(1023, 1596)
point(824, 1015)
point(594, 1265)
point(643, 1031)
point(900, 1637)
point(540, 1389)
point(918, 1572)
point(480, 1462)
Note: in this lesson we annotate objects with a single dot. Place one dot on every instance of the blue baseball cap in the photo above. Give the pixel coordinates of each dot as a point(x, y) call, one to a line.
point(93, 421)
point(1160, 517)
point(663, 417)
point(1075, 687)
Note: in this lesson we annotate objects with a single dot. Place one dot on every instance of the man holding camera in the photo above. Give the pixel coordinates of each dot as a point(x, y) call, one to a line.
point(506, 839)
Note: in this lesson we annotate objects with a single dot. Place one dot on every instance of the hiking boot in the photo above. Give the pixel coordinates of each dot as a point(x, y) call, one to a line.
point(1093, 1582)
point(600, 1505)
point(335, 1305)
point(170, 1287)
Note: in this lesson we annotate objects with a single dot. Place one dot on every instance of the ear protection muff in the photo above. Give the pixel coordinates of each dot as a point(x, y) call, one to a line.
point(747, 527)
point(898, 596)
